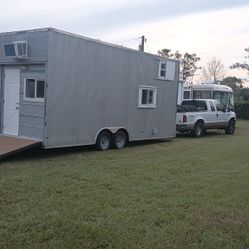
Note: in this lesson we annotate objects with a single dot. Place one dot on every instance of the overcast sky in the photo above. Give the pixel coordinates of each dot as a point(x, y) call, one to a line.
point(208, 28)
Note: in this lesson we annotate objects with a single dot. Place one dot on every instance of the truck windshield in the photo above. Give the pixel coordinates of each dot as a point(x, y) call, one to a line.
point(225, 98)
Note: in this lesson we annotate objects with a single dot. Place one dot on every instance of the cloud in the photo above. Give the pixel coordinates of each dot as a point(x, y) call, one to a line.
point(206, 27)
point(147, 11)
point(91, 17)
point(223, 34)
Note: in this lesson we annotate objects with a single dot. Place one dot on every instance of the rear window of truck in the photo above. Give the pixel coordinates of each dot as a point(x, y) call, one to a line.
point(197, 105)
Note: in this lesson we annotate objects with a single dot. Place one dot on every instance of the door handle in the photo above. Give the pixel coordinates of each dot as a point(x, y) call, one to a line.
point(17, 108)
point(217, 115)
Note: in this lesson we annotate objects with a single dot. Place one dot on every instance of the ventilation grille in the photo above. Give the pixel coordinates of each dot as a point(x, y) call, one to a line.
point(21, 49)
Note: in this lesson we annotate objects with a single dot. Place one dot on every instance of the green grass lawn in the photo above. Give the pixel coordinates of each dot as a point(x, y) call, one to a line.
point(182, 193)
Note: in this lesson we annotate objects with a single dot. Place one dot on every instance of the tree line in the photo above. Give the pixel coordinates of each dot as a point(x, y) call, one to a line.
point(214, 71)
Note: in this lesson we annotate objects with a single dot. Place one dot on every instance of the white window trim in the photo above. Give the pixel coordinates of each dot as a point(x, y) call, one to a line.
point(160, 69)
point(169, 70)
point(32, 99)
point(140, 89)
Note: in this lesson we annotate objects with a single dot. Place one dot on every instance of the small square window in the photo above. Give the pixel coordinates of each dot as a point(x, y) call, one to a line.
point(34, 90)
point(147, 97)
point(9, 50)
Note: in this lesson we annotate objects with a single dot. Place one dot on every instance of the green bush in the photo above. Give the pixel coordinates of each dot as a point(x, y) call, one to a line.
point(242, 110)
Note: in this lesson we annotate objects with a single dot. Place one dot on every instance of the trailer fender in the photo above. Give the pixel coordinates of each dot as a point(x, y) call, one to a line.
point(112, 130)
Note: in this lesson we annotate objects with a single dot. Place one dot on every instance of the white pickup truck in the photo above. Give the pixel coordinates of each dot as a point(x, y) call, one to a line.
point(198, 115)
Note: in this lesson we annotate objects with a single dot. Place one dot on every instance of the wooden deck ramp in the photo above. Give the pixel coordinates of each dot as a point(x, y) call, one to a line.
point(11, 145)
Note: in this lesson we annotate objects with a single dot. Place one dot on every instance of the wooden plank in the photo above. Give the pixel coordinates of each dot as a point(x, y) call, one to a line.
point(10, 145)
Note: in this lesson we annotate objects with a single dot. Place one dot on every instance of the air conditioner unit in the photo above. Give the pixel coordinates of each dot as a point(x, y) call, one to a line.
point(21, 49)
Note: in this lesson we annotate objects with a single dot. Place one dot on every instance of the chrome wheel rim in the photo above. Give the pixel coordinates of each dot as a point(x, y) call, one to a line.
point(198, 131)
point(120, 141)
point(104, 142)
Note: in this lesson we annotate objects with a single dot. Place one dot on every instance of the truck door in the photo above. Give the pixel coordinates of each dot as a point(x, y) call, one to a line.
point(221, 116)
point(211, 116)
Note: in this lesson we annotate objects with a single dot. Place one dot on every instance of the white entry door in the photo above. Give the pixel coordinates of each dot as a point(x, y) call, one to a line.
point(11, 101)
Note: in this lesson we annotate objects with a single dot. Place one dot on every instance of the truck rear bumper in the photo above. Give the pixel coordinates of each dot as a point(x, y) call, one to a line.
point(184, 127)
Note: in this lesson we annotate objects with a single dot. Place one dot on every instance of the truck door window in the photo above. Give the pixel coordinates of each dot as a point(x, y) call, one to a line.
point(212, 106)
point(219, 106)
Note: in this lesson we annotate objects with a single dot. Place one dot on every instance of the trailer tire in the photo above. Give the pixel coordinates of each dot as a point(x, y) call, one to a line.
point(198, 130)
point(119, 139)
point(230, 129)
point(103, 141)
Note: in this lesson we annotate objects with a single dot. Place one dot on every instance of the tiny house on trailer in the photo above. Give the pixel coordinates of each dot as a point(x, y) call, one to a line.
point(67, 90)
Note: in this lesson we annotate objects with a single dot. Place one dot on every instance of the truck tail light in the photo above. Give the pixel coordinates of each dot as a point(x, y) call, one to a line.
point(184, 119)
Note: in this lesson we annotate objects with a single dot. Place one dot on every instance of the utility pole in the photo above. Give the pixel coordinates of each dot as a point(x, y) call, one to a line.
point(141, 46)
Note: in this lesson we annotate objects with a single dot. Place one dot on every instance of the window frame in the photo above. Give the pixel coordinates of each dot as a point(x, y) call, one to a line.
point(35, 99)
point(160, 69)
point(149, 88)
point(4, 50)
point(169, 70)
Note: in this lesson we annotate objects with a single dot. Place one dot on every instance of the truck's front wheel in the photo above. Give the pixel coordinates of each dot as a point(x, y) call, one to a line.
point(197, 130)
point(230, 129)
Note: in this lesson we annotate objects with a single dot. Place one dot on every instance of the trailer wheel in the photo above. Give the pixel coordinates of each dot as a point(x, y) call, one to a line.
point(197, 130)
point(103, 141)
point(119, 140)
point(230, 129)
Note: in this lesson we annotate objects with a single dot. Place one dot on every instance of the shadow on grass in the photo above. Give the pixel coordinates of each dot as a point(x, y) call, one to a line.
point(39, 153)
point(148, 142)
point(208, 134)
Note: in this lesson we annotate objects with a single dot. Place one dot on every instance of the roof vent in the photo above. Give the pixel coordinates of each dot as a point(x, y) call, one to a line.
point(21, 49)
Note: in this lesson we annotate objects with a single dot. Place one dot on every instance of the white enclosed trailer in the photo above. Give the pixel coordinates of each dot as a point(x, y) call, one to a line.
point(67, 90)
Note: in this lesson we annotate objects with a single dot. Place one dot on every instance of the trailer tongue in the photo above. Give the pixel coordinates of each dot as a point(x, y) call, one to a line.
point(11, 145)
